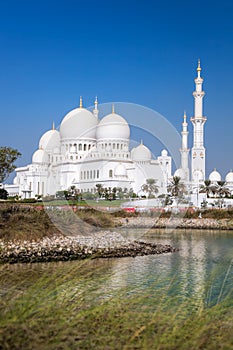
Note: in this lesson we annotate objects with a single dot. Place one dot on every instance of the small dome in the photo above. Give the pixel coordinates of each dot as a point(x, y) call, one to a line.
point(50, 140)
point(229, 177)
point(141, 153)
point(113, 126)
point(40, 156)
point(120, 170)
point(164, 153)
point(78, 123)
point(180, 173)
point(215, 176)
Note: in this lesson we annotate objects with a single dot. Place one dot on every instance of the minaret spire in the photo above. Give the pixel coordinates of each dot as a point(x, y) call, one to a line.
point(53, 126)
point(184, 151)
point(199, 68)
point(95, 110)
point(198, 121)
point(113, 108)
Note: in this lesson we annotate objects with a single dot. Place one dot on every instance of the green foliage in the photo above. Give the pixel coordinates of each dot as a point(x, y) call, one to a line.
point(58, 307)
point(3, 193)
point(8, 156)
point(176, 187)
point(150, 187)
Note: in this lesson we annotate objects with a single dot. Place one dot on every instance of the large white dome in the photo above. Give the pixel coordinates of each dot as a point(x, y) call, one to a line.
point(215, 176)
point(50, 140)
point(78, 123)
point(141, 153)
point(229, 177)
point(113, 126)
point(180, 173)
point(40, 156)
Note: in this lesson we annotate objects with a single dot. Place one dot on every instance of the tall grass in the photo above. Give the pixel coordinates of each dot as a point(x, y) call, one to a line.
point(58, 307)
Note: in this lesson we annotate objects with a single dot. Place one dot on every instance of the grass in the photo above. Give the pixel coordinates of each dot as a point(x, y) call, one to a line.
point(59, 308)
point(28, 223)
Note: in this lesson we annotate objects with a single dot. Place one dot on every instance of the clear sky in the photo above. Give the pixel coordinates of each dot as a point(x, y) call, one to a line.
point(142, 52)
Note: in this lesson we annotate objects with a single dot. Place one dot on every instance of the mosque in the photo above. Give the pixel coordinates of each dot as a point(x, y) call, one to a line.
point(86, 151)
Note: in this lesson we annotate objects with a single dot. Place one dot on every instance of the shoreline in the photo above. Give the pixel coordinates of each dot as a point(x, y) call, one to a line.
point(104, 244)
point(177, 223)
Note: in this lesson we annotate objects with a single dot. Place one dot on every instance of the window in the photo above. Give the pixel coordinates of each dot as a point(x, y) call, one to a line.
point(84, 147)
point(81, 175)
point(90, 174)
point(97, 174)
point(87, 174)
point(84, 175)
point(80, 147)
point(110, 173)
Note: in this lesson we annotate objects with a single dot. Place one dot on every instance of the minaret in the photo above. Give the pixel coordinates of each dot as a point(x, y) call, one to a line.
point(184, 151)
point(198, 121)
point(95, 110)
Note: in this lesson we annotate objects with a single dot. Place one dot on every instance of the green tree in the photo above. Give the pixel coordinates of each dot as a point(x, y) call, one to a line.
point(150, 187)
point(100, 189)
point(222, 190)
point(3, 193)
point(206, 188)
point(8, 156)
point(176, 187)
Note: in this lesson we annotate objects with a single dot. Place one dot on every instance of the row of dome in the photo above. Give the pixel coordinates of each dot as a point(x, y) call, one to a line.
point(215, 176)
point(139, 153)
point(82, 124)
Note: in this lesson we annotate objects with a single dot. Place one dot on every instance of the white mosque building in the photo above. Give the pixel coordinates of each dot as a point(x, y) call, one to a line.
point(86, 151)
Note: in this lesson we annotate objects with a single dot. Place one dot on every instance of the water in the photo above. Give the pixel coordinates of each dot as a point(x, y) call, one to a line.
point(200, 271)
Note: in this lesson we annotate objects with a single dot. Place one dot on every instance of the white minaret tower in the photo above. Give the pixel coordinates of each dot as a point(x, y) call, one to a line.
point(198, 121)
point(95, 110)
point(184, 151)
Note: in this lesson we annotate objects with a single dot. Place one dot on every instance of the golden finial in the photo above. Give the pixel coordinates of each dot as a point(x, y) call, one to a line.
point(185, 116)
point(199, 65)
point(80, 102)
point(53, 126)
point(141, 142)
point(113, 108)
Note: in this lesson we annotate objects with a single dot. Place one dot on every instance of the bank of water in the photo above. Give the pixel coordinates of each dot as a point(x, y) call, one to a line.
point(198, 276)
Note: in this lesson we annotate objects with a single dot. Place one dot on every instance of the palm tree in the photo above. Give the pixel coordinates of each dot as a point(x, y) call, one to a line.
point(176, 187)
point(150, 187)
point(206, 188)
point(100, 189)
point(222, 190)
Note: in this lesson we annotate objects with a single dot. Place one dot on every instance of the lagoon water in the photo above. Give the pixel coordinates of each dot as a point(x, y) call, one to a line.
point(201, 271)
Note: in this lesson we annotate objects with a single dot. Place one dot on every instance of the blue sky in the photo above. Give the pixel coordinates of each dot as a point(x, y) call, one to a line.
point(142, 52)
